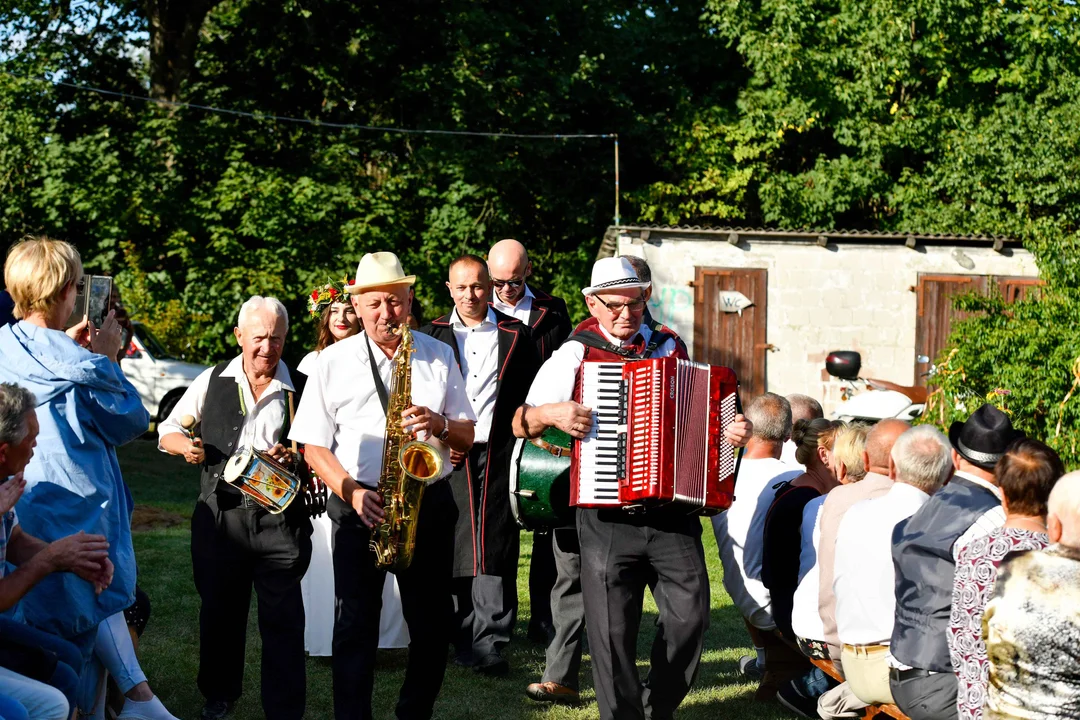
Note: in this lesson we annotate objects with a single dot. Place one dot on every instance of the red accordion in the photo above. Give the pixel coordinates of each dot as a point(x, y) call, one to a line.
point(657, 436)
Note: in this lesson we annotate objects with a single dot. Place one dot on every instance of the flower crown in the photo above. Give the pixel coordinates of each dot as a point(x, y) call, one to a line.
point(324, 295)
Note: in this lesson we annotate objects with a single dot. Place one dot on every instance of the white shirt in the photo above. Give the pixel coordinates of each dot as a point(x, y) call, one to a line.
point(307, 363)
point(555, 381)
point(989, 520)
point(478, 348)
point(740, 537)
point(805, 618)
point(263, 420)
point(341, 409)
point(787, 456)
point(864, 579)
point(521, 311)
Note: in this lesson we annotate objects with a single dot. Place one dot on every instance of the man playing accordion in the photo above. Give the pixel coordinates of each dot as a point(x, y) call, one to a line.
point(621, 552)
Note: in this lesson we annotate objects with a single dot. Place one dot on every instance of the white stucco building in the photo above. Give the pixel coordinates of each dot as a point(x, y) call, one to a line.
point(882, 294)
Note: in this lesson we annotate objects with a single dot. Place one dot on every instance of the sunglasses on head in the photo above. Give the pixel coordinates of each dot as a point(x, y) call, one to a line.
point(511, 283)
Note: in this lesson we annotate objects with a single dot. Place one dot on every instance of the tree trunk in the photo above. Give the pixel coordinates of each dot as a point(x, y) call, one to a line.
point(174, 35)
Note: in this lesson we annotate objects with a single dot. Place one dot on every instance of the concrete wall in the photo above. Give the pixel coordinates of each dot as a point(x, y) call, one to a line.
point(840, 297)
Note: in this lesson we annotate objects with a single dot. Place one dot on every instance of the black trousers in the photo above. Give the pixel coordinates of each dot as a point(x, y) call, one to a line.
point(568, 611)
point(233, 548)
point(620, 556)
point(542, 575)
point(425, 601)
point(932, 697)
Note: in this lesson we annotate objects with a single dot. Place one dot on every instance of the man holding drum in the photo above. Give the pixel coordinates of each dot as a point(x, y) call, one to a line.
point(244, 403)
point(621, 553)
point(498, 362)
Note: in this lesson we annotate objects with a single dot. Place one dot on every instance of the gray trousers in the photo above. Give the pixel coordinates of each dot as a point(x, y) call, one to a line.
point(485, 608)
point(927, 698)
point(567, 611)
point(619, 559)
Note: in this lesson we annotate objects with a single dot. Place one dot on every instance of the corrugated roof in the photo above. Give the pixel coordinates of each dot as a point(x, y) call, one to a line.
point(998, 242)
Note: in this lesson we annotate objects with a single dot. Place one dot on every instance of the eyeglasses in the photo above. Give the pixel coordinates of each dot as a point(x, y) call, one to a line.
point(511, 283)
point(617, 308)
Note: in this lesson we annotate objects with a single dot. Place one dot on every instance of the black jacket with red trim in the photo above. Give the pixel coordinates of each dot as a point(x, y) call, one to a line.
point(486, 534)
point(549, 322)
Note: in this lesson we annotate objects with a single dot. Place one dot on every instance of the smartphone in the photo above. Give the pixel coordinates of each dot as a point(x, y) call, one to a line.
point(92, 300)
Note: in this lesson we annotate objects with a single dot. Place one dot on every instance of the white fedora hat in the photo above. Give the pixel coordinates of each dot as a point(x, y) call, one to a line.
point(375, 269)
point(613, 273)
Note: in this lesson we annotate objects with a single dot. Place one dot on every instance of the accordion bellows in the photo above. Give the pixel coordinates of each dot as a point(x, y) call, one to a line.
point(657, 436)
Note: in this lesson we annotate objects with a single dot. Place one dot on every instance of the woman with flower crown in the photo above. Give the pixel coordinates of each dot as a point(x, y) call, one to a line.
point(330, 307)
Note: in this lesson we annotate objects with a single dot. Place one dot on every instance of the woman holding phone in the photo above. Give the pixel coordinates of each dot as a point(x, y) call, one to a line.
point(86, 408)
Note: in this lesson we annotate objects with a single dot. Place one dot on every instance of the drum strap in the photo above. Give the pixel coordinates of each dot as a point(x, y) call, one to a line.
point(555, 450)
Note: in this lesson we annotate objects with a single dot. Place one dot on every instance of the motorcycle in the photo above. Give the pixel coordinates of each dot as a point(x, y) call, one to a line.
point(876, 399)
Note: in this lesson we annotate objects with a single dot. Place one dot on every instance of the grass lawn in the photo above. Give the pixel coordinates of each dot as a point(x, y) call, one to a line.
point(169, 649)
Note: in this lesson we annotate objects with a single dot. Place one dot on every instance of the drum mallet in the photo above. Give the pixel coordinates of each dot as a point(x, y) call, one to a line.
point(188, 423)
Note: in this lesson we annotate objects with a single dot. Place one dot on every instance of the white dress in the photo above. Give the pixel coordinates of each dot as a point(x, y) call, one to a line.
point(317, 586)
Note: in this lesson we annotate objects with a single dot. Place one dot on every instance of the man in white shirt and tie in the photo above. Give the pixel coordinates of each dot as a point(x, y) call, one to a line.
point(864, 580)
point(342, 420)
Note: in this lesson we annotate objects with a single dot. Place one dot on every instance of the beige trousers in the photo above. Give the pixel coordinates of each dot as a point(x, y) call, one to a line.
point(867, 674)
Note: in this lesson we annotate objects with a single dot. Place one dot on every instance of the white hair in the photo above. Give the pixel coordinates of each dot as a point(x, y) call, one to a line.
point(16, 404)
point(923, 458)
point(1064, 504)
point(258, 302)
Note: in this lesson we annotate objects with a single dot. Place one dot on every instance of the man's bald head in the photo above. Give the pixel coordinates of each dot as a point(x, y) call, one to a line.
point(1063, 511)
point(804, 407)
point(508, 261)
point(880, 441)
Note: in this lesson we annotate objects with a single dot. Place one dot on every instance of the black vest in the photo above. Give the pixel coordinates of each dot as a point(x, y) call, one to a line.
point(222, 418)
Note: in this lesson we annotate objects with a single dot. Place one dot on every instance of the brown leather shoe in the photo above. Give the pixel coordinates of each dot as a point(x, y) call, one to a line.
point(553, 693)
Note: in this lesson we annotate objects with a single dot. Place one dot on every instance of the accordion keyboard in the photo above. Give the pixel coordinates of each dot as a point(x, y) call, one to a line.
point(603, 450)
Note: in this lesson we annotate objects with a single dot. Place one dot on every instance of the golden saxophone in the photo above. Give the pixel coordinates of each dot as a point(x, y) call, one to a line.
point(408, 466)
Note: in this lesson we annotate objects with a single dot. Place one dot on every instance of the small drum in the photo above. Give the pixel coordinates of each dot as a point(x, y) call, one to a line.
point(540, 481)
point(263, 479)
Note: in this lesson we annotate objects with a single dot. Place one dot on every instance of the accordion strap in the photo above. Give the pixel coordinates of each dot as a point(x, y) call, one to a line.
point(598, 341)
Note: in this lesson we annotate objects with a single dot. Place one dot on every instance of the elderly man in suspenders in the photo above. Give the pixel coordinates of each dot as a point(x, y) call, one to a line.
point(235, 543)
point(622, 553)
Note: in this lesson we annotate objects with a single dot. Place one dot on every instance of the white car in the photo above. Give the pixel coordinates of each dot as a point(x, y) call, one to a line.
point(160, 378)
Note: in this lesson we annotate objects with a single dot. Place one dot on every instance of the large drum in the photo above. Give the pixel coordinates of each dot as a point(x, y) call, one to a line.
point(263, 479)
point(540, 481)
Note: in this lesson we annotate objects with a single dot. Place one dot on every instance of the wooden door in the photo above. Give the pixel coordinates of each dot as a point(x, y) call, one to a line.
point(733, 339)
point(936, 313)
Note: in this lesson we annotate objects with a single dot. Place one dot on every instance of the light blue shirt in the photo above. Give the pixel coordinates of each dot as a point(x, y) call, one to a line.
point(85, 407)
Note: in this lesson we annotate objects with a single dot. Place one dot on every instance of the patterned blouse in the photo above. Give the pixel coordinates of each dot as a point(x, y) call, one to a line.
point(976, 571)
point(1032, 630)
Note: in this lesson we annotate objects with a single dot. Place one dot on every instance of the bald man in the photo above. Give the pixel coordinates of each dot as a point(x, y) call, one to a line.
point(549, 325)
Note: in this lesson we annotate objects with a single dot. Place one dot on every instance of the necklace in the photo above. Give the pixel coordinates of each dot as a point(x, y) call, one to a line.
point(264, 383)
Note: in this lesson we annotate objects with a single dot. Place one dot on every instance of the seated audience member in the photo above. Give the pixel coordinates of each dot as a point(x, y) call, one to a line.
point(783, 542)
point(51, 692)
point(739, 530)
point(87, 409)
point(925, 546)
point(803, 407)
point(1031, 625)
point(847, 465)
point(875, 483)
point(863, 578)
point(1026, 475)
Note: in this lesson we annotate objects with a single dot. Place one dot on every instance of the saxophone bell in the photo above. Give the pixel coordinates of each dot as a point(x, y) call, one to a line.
point(423, 460)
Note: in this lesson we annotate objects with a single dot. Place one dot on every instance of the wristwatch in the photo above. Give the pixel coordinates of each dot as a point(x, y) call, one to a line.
point(445, 429)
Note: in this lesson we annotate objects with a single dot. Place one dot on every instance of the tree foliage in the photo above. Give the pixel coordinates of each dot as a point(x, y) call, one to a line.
point(932, 116)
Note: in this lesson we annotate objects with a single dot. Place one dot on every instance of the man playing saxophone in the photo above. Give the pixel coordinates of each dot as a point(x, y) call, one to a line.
point(342, 421)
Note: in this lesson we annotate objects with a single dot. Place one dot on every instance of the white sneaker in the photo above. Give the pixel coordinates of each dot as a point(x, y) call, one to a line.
point(151, 709)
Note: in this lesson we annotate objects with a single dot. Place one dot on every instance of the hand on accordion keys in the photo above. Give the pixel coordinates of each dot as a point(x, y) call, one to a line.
point(572, 418)
point(740, 430)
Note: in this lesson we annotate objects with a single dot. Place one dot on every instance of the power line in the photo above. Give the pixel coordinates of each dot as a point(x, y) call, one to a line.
point(307, 121)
